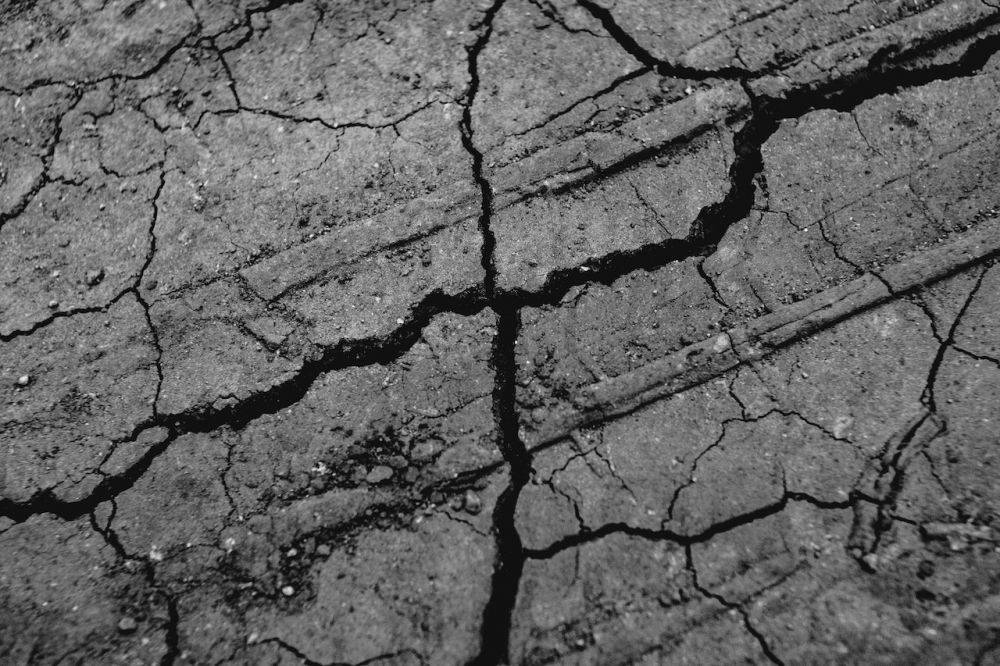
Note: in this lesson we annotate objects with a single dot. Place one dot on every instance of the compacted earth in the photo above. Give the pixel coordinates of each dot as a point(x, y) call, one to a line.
point(499, 331)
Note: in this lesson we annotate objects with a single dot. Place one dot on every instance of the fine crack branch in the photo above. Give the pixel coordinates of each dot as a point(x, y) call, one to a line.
point(747, 623)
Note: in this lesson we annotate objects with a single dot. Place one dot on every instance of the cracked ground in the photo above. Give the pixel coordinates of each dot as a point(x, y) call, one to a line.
point(499, 331)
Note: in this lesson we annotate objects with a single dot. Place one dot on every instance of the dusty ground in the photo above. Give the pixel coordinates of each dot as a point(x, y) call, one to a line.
point(456, 332)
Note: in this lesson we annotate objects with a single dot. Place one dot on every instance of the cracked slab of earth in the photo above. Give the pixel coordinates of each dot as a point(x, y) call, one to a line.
point(506, 331)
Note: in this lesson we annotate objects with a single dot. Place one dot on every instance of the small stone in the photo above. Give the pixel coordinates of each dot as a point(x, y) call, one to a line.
point(53, 304)
point(473, 504)
point(127, 625)
point(93, 278)
point(456, 503)
point(288, 590)
point(23, 380)
point(398, 462)
point(378, 474)
point(425, 451)
point(323, 550)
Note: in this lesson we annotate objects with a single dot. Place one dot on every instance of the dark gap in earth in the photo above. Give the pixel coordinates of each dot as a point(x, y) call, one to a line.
point(465, 127)
point(729, 524)
point(633, 48)
point(495, 631)
point(766, 115)
point(744, 615)
point(710, 226)
point(509, 558)
point(353, 353)
point(110, 537)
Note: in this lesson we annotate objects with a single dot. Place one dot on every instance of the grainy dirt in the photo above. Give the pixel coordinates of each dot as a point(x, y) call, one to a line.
point(507, 331)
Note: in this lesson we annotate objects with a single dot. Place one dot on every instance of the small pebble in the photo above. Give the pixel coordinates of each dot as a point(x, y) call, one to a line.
point(397, 462)
point(473, 504)
point(288, 590)
point(23, 380)
point(127, 625)
point(53, 304)
point(378, 474)
point(323, 550)
point(93, 278)
point(425, 451)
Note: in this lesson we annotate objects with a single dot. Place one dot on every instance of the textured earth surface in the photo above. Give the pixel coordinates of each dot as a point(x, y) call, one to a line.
point(506, 331)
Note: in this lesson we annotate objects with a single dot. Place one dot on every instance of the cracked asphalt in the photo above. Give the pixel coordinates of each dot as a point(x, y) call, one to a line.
point(504, 331)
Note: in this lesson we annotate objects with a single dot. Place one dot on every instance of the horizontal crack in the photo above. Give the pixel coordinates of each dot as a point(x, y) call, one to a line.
point(680, 538)
point(713, 221)
point(702, 361)
point(205, 418)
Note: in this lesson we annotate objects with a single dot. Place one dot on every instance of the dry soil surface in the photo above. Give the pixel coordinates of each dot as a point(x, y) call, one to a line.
point(499, 331)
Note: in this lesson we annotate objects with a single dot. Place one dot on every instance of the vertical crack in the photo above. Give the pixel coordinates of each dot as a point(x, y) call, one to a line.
point(171, 637)
point(924, 428)
point(928, 397)
point(137, 289)
point(510, 556)
point(509, 559)
point(465, 126)
point(747, 623)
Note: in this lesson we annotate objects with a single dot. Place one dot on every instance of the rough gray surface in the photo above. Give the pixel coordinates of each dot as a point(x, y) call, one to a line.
point(512, 331)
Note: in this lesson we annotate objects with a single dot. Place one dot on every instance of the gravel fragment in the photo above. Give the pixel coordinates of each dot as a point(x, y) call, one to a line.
point(472, 503)
point(379, 474)
point(127, 625)
point(93, 278)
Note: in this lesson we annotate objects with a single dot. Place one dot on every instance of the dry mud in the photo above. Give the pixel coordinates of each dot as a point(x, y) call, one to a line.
point(508, 331)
